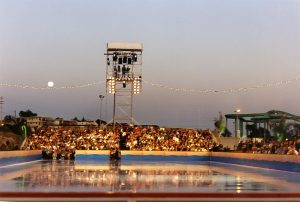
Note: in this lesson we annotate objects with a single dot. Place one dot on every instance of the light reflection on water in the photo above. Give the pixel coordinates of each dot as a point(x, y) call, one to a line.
point(60, 176)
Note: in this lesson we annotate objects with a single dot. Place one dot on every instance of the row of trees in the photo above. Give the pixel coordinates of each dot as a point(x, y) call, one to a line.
point(27, 113)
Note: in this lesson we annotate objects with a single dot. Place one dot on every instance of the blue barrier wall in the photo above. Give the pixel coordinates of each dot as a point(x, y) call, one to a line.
point(104, 157)
point(277, 165)
point(13, 157)
point(278, 162)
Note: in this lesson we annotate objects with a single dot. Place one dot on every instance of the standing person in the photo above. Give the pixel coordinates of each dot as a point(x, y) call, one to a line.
point(115, 152)
point(123, 71)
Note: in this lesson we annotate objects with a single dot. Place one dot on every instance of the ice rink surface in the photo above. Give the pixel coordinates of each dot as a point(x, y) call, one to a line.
point(144, 176)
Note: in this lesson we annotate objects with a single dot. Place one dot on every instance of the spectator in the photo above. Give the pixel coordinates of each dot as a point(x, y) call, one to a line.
point(61, 143)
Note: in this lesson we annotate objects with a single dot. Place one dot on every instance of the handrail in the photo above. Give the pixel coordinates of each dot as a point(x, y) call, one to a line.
point(154, 196)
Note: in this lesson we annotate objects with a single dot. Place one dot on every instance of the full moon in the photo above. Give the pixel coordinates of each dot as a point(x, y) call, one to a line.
point(50, 84)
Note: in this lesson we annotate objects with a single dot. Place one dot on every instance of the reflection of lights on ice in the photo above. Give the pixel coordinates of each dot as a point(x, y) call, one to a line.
point(175, 179)
point(50, 84)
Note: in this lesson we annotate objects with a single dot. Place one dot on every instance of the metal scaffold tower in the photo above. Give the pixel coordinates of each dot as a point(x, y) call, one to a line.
point(1, 110)
point(123, 78)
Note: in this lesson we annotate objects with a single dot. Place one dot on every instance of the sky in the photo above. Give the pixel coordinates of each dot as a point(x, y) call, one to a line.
point(203, 44)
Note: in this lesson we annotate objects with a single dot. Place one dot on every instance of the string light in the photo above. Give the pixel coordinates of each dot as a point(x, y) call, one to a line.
point(158, 85)
point(230, 90)
point(25, 86)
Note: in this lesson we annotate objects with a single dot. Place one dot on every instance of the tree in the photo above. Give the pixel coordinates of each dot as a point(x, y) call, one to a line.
point(16, 127)
point(9, 118)
point(83, 119)
point(27, 113)
point(278, 129)
point(221, 126)
point(291, 130)
point(283, 130)
point(75, 118)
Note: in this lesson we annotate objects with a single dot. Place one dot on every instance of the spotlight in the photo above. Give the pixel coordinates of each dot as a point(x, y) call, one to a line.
point(135, 58)
point(120, 61)
point(129, 61)
point(115, 57)
point(124, 59)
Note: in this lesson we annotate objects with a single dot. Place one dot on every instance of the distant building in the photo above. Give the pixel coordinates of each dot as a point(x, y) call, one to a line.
point(38, 121)
point(58, 122)
point(87, 123)
point(69, 123)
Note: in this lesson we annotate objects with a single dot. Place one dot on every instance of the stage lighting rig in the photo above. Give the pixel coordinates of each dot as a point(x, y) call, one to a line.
point(123, 78)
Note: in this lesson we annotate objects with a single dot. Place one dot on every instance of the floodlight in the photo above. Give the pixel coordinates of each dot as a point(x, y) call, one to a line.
point(134, 57)
point(120, 61)
point(115, 57)
point(124, 59)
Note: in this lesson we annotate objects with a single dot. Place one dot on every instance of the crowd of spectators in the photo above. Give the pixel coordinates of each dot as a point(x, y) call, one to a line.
point(169, 139)
point(61, 143)
point(289, 147)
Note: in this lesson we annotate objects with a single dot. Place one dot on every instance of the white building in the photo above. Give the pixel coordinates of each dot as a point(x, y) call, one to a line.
point(38, 121)
point(57, 122)
point(87, 123)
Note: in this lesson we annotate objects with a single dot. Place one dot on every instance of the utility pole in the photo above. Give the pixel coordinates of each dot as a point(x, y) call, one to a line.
point(237, 129)
point(101, 98)
point(1, 110)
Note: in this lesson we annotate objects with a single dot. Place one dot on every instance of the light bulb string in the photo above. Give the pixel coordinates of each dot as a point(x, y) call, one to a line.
point(230, 90)
point(159, 85)
point(26, 86)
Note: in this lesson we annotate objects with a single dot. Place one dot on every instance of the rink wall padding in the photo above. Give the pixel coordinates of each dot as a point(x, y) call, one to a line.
point(144, 155)
point(20, 156)
point(272, 161)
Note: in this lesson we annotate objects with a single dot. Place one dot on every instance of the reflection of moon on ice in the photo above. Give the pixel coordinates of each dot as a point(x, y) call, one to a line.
point(50, 84)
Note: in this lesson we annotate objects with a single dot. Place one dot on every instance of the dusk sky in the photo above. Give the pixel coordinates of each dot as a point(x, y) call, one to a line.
point(192, 44)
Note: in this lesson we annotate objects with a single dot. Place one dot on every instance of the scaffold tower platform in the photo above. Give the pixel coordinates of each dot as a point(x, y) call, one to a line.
point(123, 78)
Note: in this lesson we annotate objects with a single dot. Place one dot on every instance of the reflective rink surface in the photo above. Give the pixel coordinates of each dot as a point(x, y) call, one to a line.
point(139, 177)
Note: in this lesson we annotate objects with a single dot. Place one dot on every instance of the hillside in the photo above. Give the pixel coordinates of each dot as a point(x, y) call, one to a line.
point(8, 139)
